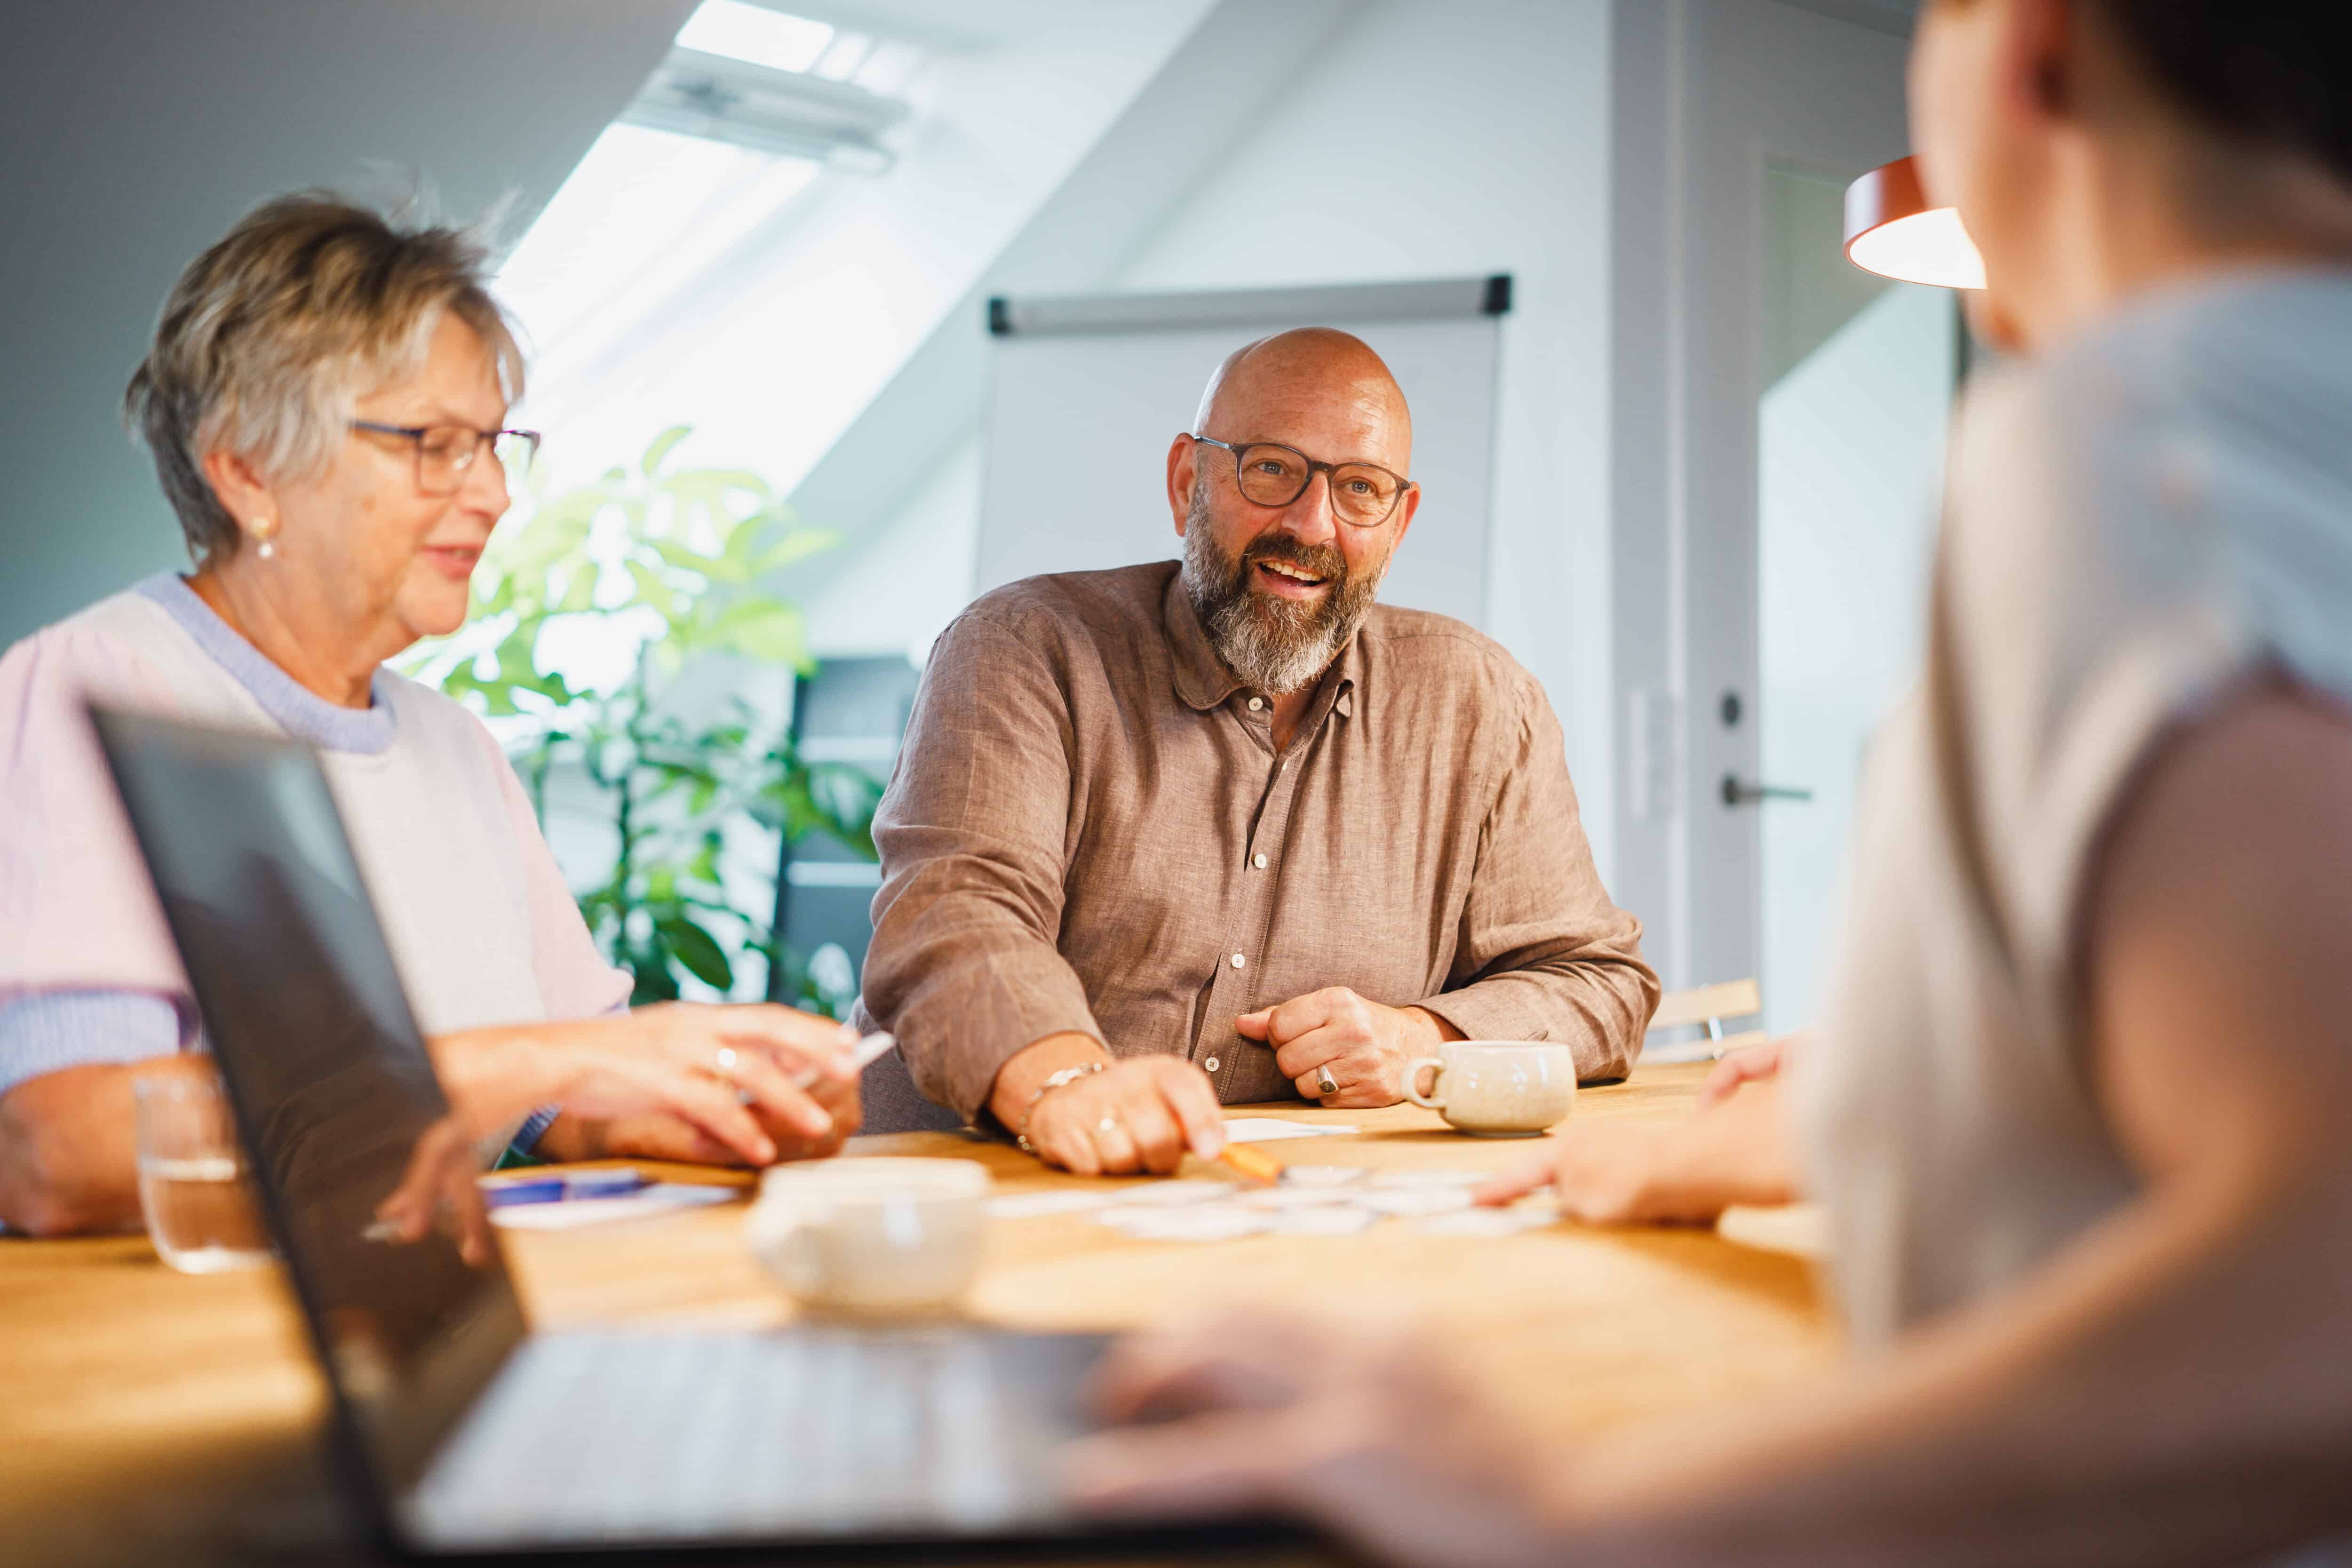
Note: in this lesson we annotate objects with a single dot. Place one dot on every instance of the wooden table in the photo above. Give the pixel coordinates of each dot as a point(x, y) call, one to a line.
point(152, 1416)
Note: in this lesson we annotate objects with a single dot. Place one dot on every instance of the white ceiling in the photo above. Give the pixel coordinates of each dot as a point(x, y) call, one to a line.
point(948, 26)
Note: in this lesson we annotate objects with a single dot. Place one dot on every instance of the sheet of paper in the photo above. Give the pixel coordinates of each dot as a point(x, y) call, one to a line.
point(1267, 1129)
point(663, 1197)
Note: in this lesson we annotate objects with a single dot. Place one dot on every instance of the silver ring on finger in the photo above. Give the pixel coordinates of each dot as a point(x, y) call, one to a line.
point(1324, 1083)
point(727, 1060)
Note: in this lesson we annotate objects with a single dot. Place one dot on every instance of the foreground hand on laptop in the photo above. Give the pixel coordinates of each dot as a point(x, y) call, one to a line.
point(679, 1080)
point(1367, 1432)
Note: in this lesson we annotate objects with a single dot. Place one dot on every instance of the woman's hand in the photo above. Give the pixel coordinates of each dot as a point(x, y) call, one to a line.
point(1620, 1172)
point(1366, 1434)
point(1750, 1066)
point(748, 1083)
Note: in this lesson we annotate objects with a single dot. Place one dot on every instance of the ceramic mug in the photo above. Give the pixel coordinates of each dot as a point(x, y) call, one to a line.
point(878, 1237)
point(1496, 1088)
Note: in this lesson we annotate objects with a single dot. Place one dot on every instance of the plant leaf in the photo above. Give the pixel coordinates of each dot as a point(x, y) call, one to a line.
point(653, 590)
point(765, 629)
point(698, 951)
point(798, 545)
point(661, 447)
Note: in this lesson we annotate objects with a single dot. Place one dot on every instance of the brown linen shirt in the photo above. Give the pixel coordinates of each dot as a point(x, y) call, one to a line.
point(1090, 830)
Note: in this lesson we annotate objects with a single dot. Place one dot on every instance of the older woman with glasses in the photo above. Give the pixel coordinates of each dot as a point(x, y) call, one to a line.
point(326, 401)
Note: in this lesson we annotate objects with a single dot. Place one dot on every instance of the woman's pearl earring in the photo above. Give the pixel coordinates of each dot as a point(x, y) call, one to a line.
point(267, 549)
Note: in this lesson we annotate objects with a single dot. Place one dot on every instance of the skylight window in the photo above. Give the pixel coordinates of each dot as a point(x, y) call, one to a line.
point(755, 35)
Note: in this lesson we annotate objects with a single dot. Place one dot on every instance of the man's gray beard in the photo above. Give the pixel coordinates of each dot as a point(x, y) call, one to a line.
point(1275, 646)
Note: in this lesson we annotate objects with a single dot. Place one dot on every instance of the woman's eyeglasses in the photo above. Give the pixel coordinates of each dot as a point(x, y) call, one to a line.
point(446, 452)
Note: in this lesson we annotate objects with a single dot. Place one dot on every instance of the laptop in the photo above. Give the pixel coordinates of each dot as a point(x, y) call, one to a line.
point(458, 1429)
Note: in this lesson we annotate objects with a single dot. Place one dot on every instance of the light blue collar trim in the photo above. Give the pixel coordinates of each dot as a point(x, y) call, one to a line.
point(300, 712)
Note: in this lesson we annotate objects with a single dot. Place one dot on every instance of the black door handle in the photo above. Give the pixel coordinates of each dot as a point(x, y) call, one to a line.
point(1735, 792)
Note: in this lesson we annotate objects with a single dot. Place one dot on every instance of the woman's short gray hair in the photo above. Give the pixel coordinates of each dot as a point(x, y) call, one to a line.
point(270, 336)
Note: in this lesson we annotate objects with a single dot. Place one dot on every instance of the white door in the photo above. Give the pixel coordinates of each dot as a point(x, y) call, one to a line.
point(1850, 440)
point(1779, 419)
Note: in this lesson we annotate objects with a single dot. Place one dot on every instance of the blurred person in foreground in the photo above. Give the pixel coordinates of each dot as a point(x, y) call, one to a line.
point(1226, 830)
point(2078, 1106)
point(326, 401)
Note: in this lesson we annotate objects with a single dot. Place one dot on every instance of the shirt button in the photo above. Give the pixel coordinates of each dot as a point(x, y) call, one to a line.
point(1211, 1064)
point(1239, 960)
point(1256, 704)
point(1258, 861)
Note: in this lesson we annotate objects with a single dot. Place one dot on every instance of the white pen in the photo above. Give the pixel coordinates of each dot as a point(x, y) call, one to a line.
point(864, 1052)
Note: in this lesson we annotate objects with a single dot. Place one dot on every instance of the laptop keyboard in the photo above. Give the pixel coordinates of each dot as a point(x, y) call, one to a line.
point(811, 1433)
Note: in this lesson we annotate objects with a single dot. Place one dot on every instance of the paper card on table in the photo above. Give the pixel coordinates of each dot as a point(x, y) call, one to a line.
point(1412, 1200)
point(1273, 1199)
point(1198, 1222)
point(1268, 1129)
point(1322, 1176)
point(1170, 1193)
point(662, 1197)
point(1324, 1219)
point(1485, 1222)
point(1054, 1200)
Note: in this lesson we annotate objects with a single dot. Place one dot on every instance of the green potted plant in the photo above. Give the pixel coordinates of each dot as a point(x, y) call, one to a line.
point(662, 567)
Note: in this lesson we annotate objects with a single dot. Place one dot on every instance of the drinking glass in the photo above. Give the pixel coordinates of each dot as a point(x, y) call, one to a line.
point(191, 1186)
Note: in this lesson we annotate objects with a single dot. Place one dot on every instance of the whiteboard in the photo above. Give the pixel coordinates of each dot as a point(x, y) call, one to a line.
point(1078, 421)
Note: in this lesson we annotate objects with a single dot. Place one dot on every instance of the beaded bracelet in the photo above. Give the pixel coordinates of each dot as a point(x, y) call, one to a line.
point(1053, 1082)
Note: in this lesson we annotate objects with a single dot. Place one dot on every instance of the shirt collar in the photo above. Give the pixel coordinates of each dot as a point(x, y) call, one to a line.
point(1202, 679)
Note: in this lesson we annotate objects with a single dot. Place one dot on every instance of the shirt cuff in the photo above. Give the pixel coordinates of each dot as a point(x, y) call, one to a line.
point(48, 1031)
point(956, 1038)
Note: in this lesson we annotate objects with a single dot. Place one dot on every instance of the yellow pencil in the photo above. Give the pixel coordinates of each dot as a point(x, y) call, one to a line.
point(1252, 1165)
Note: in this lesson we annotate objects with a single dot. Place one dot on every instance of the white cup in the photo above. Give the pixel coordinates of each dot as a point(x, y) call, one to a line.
point(1496, 1088)
point(878, 1237)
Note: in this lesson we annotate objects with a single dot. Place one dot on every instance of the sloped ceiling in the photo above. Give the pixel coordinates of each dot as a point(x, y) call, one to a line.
point(1896, 16)
point(135, 131)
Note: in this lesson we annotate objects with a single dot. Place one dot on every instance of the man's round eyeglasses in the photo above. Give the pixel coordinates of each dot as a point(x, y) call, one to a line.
point(446, 452)
point(1363, 495)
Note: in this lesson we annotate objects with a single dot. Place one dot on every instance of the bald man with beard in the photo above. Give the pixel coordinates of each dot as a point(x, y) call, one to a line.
point(1226, 830)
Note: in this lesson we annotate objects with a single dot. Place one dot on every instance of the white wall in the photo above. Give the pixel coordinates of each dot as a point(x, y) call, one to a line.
point(133, 132)
point(1427, 139)
point(911, 576)
point(1436, 139)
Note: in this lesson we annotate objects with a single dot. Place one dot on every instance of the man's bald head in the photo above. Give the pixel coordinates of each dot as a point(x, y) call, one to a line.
point(1311, 378)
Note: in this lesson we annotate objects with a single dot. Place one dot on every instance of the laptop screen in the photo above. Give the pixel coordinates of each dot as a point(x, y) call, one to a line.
point(303, 1010)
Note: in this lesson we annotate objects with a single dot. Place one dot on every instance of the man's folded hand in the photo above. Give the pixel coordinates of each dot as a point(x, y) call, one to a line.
point(1342, 1050)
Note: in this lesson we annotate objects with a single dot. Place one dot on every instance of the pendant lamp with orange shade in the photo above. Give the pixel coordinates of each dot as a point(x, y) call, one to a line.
point(1891, 230)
